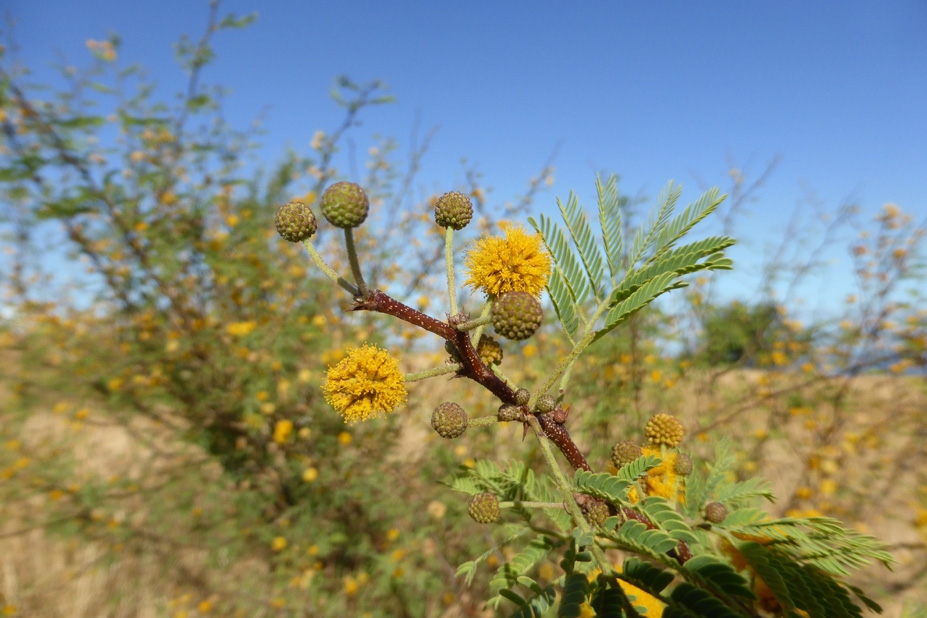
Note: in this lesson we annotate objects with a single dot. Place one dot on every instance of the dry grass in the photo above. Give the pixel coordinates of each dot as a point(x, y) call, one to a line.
point(50, 576)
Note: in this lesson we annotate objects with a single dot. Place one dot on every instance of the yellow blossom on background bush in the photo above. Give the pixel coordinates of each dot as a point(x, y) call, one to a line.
point(367, 382)
point(515, 263)
point(310, 474)
point(278, 544)
point(240, 329)
point(282, 431)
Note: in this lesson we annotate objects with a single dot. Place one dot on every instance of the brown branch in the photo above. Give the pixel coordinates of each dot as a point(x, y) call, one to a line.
point(559, 435)
point(472, 366)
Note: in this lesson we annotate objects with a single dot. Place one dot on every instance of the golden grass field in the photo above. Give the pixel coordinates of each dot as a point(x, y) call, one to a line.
point(860, 469)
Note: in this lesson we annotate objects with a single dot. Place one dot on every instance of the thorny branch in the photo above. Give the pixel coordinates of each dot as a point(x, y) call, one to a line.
point(472, 366)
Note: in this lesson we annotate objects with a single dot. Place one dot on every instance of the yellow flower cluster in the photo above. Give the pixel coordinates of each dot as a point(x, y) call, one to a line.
point(514, 263)
point(367, 382)
point(639, 598)
point(662, 480)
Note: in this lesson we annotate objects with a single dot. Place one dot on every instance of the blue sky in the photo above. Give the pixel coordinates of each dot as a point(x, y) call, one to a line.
point(649, 90)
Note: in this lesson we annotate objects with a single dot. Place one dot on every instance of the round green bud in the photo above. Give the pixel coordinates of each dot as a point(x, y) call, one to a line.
point(508, 412)
point(625, 452)
point(683, 464)
point(516, 315)
point(546, 403)
point(484, 508)
point(449, 420)
point(595, 511)
point(522, 396)
point(453, 210)
point(715, 512)
point(345, 204)
point(295, 222)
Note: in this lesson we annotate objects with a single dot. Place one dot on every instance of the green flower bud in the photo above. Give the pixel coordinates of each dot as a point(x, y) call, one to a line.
point(625, 452)
point(449, 420)
point(453, 210)
point(546, 403)
point(484, 508)
point(516, 315)
point(295, 222)
point(345, 205)
point(715, 512)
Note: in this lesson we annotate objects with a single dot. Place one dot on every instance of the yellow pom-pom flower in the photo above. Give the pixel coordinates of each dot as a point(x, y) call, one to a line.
point(514, 263)
point(367, 382)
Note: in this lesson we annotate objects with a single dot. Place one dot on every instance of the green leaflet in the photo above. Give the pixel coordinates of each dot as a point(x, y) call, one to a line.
point(744, 492)
point(580, 257)
point(517, 482)
point(564, 304)
point(664, 516)
point(513, 572)
point(821, 542)
point(535, 607)
point(575, 588)
point(659, 216)
point(585, 242)
point(608, 603)
point(680, 226)
point(700, 486)
point(711, 573)
point(680, 261)
point(639, 467)
point(800, 586)
point(651, 540)
point(602, 485)
point(697, 602)
point(646, 576)
point(567, 286)
point(468, 569)
point(611, 224)
point(645, 295)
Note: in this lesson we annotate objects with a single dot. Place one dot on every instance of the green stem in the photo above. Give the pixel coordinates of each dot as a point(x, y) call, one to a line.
point(492, 419)
point(325, 268)
point(449, 260)
point(430, 373)
point(473, 324)
point(566, 489)
point(565, 369)
point(641, 494)
point(531, 505)
point(483, 314)
point(352, 258)
point(496, 369)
